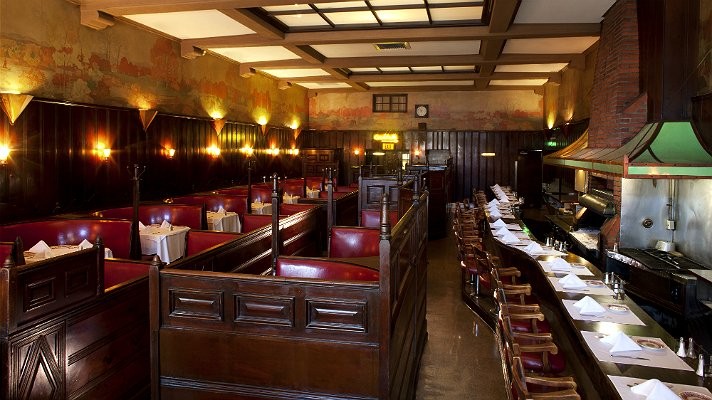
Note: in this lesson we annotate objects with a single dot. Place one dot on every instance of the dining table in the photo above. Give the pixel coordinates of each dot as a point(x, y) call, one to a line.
point(227, 221)
point(601, 371)
point(168, 242)
point(262, 208)
point(59, 250)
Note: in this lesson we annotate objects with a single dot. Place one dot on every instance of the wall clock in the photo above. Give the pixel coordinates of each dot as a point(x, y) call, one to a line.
point(422, 111)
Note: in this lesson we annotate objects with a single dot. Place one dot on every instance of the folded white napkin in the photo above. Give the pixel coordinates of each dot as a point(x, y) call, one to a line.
point(221, 210)
point(503, 199)
point(571, 281)
point(589, 306)
point(141, 226)
point(501, 231)
point(495, 214)
point(498, 224)
point(165, 224)
point(41, 248)
point(509, 238)
point(533, 247)
point(559, 264)
point(619, 341)
point(653, 389)
point(493, 202)
point(85, 244)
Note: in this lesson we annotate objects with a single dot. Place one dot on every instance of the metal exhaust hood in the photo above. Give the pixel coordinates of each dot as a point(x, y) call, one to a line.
point(666, 149)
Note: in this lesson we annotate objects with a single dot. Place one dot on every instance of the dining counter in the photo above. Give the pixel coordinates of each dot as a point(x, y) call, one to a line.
point(599, 374)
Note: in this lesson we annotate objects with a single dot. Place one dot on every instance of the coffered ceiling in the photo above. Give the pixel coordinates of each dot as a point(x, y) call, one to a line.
point(375, 45)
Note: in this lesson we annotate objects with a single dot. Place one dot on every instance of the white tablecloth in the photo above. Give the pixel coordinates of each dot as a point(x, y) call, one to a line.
point(168, 244)
point(261, 208)
point(620, 317)
point(623, 385)
point(287, 199)
point(227, 222)
point(56, 251)
point(664, 358)
point(593, 287)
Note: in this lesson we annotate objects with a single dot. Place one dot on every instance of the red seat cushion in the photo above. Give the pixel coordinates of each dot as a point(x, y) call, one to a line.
point(372, 218)
point(533, 362)
point(299, 267)
point(353, 242)
point(520, 325)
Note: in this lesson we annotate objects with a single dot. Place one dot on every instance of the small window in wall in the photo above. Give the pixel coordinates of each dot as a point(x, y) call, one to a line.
point(390, 102)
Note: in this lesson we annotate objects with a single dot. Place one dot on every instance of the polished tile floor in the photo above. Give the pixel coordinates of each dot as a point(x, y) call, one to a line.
point(461, 360)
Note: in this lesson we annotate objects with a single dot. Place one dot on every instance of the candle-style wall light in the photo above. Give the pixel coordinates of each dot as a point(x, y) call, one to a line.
point(4, 154)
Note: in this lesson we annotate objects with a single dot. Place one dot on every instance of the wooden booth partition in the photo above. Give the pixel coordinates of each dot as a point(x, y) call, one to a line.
point(236, 336)
point(63, 336)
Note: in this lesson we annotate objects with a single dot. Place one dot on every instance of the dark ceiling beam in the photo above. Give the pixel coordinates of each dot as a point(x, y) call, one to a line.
point(394, 35)
point(447, 76)
point(415, 61)
point(254, 22)
point(501, 18)
point(393, 89)
point(126, 7)
point(307, 54)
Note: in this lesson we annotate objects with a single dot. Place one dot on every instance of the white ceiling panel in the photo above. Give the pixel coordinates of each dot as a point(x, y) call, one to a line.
point(192, 24)
point(298, 20)
point(448, 1)
point(456, 14)
point(459, 68)
point(556, 67)
point(255, 54)
point(324, 85)
point(567, 11)
point(517, 82)
point(351, 17)
point(289, 7)
point(395, 69)
point(295, 73)
point(421, 83)
point(454, 47)
point(412, 15)
point(434, 68)
point(363, 70)
point(563, 45)
point(383, 3)
point(341, 4)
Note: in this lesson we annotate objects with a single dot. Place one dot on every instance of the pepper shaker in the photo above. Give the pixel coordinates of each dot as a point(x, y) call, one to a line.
point(701, 365)
point(690, 348)
point(681, 349)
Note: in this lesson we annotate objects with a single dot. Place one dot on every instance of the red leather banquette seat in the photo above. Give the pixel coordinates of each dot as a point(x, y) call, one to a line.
point(353, 241)
point(299, 267)
point(192, 216)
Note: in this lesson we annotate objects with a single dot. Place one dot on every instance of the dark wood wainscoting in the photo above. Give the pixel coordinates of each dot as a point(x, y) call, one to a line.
point(471, 170)
point(54, 167)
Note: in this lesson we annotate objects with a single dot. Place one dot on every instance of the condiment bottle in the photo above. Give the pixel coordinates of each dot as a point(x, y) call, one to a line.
point(690, 348)
point(681, 349)
point(701, 365)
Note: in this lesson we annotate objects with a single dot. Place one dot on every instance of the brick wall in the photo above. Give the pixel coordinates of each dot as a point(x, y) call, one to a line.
point(618, 110)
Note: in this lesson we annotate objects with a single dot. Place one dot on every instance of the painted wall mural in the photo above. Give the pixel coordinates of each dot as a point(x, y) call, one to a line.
point(45, 51)
point(490, 110)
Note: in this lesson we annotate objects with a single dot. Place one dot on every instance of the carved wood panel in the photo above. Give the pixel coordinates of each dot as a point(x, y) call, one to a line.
point(204, 305)
point(269, 310)
point(38, 365)
point(337, 315)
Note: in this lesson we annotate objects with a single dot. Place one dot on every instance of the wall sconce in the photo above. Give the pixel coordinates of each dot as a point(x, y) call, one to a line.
point(146, 117)
point(214, 151)
point(416, 152)
point(357, 152)
point(169, 152)
point(293, 151)
point(274, 151)
point(247, 150)
point(13, 104)
point(218, 124)
point(262, 122)
point(4, 154)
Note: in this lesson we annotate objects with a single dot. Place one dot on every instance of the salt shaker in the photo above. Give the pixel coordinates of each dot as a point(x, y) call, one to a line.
point(690, 348)
point(681, 349)
point(701, 365)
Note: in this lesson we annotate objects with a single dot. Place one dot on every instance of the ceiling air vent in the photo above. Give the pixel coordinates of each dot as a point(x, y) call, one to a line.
point(392, 46)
